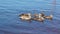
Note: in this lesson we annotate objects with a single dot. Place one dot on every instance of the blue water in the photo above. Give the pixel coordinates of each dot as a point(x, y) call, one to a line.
point(11, 24)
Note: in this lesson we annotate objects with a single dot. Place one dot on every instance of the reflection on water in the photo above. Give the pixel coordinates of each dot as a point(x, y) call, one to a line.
point(11, 24)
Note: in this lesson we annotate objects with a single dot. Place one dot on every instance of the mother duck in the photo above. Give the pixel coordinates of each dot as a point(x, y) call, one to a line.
point(25, 16)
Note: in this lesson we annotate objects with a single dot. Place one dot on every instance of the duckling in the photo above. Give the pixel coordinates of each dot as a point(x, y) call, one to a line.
point(25, 16)
point(39, 18)
point(49, 17)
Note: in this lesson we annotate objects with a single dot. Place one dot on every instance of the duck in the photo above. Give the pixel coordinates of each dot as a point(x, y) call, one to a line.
point(39, 17)
point(25, 16)
point(49, 17)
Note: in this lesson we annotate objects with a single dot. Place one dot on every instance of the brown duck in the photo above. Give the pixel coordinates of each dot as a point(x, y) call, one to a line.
point(25, 16)
point(49, 17)
point(39, 17)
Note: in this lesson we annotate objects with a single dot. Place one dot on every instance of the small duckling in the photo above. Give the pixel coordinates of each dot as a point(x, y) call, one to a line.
point(25, 16)
point(39, 18)
point(49, 17)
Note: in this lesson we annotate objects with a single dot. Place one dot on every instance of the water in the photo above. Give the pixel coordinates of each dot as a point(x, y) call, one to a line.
point(11, 24)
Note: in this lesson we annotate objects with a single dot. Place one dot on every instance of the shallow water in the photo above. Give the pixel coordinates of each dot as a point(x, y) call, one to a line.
point(11, 24)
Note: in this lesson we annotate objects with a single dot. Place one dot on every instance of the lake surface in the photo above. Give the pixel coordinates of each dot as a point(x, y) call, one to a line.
point(11, 24)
